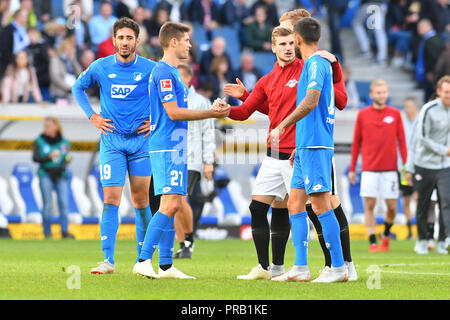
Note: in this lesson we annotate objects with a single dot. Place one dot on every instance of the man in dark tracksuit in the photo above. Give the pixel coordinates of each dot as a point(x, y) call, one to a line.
point(431, 162)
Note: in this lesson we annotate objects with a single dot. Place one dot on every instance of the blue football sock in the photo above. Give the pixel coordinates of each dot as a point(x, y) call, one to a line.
point(300, 230)
point(143, 217)
point(332, 236)
point(154, 232)
point(108, 230)
point(166, 244)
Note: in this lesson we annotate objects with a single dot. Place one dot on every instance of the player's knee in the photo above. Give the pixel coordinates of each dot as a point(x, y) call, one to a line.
point(140, 200)
point(111, 199)
point(294, 207)
point(171, 207)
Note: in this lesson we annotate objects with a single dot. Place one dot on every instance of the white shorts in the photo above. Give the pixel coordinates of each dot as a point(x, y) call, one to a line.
point(382, 184)
point(273, 179)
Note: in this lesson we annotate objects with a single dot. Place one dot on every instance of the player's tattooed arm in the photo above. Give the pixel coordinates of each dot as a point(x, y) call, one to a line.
point(303, 109)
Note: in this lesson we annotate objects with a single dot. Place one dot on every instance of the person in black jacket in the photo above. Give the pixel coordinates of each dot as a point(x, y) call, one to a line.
point(39, 58)
point(9, 47)
point(208, 16)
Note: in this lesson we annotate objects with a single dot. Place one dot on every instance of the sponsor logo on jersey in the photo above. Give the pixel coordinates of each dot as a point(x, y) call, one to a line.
point(388, 120)
point(166, 85)
point(312, 84)
point(121, 91)
point(168, 96)
point(104, 238)
point(112, 75)
point(291, 83)
point(166, 189)
point(137, 76)
point(317, 187)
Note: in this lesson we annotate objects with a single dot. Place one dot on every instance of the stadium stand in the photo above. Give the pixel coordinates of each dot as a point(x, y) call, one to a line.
point(25, 192)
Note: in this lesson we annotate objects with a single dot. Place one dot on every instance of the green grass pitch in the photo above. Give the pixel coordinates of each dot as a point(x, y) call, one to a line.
point(47, 269)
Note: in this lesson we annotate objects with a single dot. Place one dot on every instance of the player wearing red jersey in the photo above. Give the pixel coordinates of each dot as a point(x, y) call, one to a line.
point(377, 135)
point(282, 105)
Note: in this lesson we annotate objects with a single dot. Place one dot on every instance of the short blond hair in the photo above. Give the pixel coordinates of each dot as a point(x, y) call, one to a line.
point(377, 83)
point(280, 32)
point(295, 15)
point(441, 81)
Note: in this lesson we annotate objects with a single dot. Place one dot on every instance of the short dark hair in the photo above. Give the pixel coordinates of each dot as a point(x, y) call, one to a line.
point(309, 29)
point(170, 30)
point(126, 23)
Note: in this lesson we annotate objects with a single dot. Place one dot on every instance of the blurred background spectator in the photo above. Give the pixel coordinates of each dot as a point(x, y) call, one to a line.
point(101, 24)
point(219, 75)
point(14, 39)
point(217, 49)
point(205, 13)
point(336, 9)
point(51, 151)
point(353, 100)
point(235, 13)
point(20, 83)
point(177, 9)
point(77, 25)
point(38, 53)
point(248, 73)
point(371, 15)
point(64, 69)
point(259, 32)
point(430, 48)
point(272, 11)
point(5, 13)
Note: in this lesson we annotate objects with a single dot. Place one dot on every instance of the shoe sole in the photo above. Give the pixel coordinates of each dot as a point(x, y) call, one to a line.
point(99, 272)
point(299, 280)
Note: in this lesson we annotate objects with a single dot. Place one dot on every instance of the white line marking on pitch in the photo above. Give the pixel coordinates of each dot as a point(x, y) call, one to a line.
point(417, 273)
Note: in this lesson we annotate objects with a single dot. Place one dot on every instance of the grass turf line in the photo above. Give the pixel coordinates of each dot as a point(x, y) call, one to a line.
point(37, 269)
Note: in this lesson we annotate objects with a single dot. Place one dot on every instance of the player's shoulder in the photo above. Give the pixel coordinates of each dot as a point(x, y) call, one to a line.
point(146, 62)
point(163, 69)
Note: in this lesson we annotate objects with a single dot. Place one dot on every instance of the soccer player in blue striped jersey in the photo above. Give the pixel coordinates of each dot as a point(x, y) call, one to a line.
point(168, 148)
point(314, 119)
point(124, 123)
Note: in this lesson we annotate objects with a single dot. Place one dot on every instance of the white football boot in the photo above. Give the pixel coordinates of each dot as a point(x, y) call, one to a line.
point(145, 269)
point(257, 273)
point(440, 248)
point(352, 275)
point(421, 247)
point(104, 267)
point(276, 270)
point(173, 273)
point(295, 274)
point(335, 275)
point(323, 274)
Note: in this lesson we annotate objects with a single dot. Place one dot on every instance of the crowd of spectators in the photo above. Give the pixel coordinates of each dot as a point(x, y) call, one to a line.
point(44, 49)
point(62, 41)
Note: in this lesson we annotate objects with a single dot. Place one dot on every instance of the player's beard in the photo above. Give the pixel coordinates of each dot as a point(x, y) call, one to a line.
point(125, 56)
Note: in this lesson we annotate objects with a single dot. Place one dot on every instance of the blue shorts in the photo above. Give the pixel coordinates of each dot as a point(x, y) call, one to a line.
point(170, 174)
point(119, 153)
point(312, 170)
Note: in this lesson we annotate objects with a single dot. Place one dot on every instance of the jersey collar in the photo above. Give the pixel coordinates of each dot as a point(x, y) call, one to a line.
point(122, 64)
